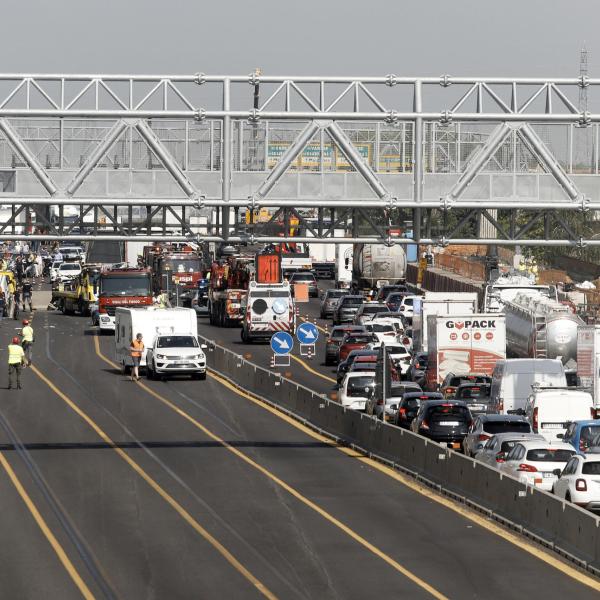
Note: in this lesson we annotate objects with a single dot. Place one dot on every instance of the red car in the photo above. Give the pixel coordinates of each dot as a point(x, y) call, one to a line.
point(354, 342)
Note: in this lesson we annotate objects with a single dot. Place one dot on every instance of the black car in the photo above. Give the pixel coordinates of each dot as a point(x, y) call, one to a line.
point(393, 300)
point(476, 395)
point(409, 405)
point(417, 368)
point(324, 270)
point(444, 421)
point(386, 290)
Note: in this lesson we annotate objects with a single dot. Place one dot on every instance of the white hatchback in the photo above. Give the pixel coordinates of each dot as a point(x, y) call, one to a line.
point(537, 463)
point(356, 388)
point(580, 482)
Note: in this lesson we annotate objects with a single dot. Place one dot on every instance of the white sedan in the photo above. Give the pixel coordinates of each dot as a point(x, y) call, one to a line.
point(398, 353)
point(537, 463)
point(356, 388)
point(580, 482)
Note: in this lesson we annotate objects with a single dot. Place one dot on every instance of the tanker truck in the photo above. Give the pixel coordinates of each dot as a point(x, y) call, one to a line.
point(377, 265)
point(540, 327)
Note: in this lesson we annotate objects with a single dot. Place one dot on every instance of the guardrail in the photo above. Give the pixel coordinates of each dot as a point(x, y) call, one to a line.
point(565, 528)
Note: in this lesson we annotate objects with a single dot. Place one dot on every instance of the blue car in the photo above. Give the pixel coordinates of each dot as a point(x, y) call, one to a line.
point(580, 434)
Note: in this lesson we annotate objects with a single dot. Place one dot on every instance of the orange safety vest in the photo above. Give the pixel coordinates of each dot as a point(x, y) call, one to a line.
point(137, 348)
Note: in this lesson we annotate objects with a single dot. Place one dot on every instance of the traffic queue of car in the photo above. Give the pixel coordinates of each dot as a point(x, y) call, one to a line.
point(552, 443)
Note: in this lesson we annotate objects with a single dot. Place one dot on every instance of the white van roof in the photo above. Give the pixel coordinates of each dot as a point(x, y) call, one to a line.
point(533, 365)
point(562, 394)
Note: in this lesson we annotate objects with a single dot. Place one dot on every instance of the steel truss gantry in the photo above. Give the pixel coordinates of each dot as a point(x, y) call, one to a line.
point(321, 113)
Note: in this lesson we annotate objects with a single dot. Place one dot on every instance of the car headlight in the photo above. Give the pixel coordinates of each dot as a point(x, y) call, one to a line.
point(161, 357)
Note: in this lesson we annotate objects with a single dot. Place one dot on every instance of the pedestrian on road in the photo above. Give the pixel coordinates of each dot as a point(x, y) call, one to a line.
point(17, 302)
point(136, 349)
point(16, 360)
point(27, 338)
point(27, 295)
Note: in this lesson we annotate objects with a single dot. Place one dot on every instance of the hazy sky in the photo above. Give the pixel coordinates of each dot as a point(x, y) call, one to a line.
point(374, 37)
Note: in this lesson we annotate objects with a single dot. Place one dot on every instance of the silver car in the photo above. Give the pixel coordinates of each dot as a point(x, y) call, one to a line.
point(330, 300)
point(484, 427)
point(498, 446)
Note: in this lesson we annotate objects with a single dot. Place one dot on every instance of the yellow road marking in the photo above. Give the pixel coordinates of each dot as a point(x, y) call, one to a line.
point(313, 371)
point(41, 523)
point(307, 320)
point(158, 489)
point(472, 516)
point(292, 491)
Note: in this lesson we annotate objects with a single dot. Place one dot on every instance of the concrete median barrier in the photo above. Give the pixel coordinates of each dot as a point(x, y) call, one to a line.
point(574, 532)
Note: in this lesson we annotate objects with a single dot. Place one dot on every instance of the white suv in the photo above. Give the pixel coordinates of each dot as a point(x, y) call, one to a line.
point(176, 355)
point(355, 389)
point(68, 271)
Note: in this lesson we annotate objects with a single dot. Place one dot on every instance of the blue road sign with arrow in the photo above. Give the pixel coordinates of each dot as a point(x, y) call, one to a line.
point(307, 333)
point(282, 342)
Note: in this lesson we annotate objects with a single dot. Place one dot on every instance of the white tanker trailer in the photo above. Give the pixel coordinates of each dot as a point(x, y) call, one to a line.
point(540, 327)
point(378, 264)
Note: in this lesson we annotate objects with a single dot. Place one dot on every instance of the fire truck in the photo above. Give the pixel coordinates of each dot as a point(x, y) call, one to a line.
point(228, 283)
point(122, 287)
point(176, 272)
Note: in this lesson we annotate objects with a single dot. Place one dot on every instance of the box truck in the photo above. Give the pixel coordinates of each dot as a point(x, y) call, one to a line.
point(464, 344)
point(439, 303)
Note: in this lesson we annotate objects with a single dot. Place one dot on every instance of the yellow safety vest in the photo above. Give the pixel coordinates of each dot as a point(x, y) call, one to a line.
point(27, 333)
point(15, 354)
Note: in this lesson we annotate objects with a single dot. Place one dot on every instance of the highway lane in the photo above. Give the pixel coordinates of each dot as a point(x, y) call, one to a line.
point(401, 523)
point(313, 523)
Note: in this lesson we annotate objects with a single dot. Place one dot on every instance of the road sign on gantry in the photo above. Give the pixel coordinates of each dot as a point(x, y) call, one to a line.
point(307, 333)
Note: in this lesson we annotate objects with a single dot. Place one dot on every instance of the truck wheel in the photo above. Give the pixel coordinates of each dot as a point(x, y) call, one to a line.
point(244, 336)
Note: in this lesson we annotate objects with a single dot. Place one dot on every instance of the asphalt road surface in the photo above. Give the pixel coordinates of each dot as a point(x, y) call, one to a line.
point(189, 489)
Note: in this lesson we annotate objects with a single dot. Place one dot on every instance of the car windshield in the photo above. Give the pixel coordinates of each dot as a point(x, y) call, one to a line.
point(125, 285)
point(378, 328)
point(182, 265)
point(357, 339)
point(506, 426)
point(56, 264)
point(335, 294)
point(397, 350)
point(360, 386)
point(473, 391)
point(549, 455)
point(303, 277)
point(177, 341)
point(69, 267)
point(338, 334)
point(591, 468)
point(352, 301)
point(400, 390)
point(408, 301)
point(448, 410)
point(375, 308)
point(507, 446)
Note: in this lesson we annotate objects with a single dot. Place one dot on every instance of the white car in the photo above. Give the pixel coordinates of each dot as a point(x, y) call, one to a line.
point(54, 270)
point(176, 355)
point(68, 271)
point(406, 306)
point(537, 463)
point(384, 332)
point(356, 388)
point(579, 482)
point(398, 352)
point(494, 451)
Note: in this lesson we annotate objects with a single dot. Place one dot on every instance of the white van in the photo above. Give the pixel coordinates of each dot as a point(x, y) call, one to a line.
point(513, 378)
point(551, 410)
point(150, 322)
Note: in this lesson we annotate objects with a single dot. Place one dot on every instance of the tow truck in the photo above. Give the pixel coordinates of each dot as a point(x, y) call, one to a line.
point(176, 271)
point(79, 294)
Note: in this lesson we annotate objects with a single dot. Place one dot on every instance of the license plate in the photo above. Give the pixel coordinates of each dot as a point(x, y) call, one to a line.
point(181, 362)
point(477, 407)
point(553, 426)
point(449, 423)
point(548, 475)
